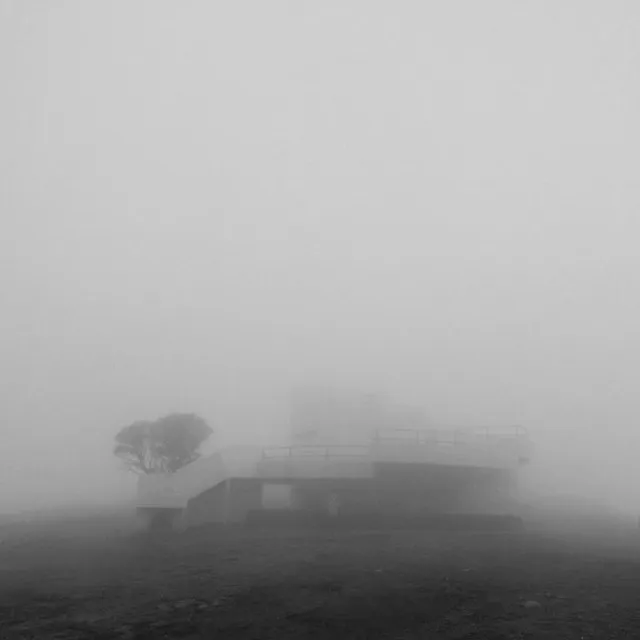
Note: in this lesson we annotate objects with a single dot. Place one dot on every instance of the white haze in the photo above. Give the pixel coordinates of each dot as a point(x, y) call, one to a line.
point(204, 203)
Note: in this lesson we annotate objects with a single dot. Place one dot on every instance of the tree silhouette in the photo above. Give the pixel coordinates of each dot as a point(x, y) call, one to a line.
point(161, 446)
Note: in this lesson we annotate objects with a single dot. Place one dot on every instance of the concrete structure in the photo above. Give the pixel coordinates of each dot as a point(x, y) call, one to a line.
point(397, 470)
point(349, 453)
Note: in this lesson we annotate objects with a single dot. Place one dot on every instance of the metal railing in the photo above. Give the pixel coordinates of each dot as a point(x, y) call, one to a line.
point(451, 435)
point(331, 451)
point(443, 436)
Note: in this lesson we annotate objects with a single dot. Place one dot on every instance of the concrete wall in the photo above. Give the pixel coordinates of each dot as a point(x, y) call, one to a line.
point(396, 489)
point(355, 495)
point(442, 489)
point(209, 506)
point(227, 502)
point(245, 495)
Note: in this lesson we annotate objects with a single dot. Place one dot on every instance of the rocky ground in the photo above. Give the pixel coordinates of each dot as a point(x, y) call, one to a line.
point(97, 580)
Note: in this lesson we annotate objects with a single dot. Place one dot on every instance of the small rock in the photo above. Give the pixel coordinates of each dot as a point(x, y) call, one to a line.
point(531, 604)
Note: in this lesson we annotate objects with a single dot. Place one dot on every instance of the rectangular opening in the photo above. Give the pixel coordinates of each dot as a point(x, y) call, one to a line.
point(277, 496)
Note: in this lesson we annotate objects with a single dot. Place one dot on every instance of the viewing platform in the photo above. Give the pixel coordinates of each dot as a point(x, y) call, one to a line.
point(490, 448)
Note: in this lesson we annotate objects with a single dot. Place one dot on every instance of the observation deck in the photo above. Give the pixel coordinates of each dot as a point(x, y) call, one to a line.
point(485, 447)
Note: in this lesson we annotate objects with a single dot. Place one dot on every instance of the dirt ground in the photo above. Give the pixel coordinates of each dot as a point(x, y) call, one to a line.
point(96, 579)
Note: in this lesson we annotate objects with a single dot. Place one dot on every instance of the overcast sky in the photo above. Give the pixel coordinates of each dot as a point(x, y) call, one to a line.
point(205, 202)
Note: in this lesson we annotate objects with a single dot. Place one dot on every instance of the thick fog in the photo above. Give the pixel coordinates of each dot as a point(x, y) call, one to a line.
point(205, 203)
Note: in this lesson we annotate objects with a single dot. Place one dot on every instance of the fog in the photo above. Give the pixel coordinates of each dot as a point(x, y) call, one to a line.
point(206, 203)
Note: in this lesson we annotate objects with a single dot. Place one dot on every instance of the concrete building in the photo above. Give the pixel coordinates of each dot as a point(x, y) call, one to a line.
point(347, 456)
